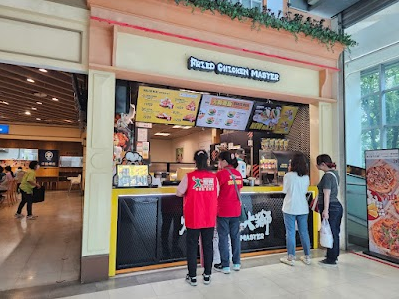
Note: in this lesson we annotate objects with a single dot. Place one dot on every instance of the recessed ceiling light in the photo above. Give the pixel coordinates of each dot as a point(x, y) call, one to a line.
point(39, 103)
point(5, 103)
point(40, 94)
point(55, 99)
point(162, 134)
point(27, 113)
point(38, 119)
point(43, 70)
point(68, 121)
point(177, 127)
point(30, 80)
point(186, 127)
point(34, 108)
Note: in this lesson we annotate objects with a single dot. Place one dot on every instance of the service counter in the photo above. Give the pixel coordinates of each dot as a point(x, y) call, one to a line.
point(148, 225)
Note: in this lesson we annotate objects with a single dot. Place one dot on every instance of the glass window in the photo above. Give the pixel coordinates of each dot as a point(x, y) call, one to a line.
point(393, 137)
point(249, 3)
point(371, 139)
point(369, 83)
point(392, 107)
point(392, 76)
point(371, 111)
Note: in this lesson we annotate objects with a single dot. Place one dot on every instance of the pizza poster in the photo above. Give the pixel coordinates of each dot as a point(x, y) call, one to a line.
point(166, 106)
point(382, 178)
point(274, 118)
point(224, 113)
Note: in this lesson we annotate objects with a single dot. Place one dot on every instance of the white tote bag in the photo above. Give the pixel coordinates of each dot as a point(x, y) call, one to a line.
point(326, 237)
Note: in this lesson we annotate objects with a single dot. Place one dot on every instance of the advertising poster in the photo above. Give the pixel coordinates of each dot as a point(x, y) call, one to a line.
point(132, 175)
point(382, 180)
point(48, 158)
point(224, 113)
point(165, 106)
point(274, 118)
point(179, 154)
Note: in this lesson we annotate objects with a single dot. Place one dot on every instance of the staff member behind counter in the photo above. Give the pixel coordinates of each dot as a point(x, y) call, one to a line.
point(200, 189)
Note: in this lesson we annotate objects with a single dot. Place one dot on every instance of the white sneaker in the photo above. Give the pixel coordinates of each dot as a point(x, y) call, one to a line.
point(32, 217)
point(287, 261)
point(306, 259)
point(19, 216)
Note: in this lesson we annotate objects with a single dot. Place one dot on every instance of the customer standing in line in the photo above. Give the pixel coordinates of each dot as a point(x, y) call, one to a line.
point(229, 211)
point(200, 190)
point(296, 208)
point(329, 205)
point(27, 185)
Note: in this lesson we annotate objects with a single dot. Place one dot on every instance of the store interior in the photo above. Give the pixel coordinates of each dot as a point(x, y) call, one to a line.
point(42, 120)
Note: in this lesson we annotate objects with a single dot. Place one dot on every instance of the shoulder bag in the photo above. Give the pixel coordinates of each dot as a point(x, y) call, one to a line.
point(314, 206)
point(244, 212)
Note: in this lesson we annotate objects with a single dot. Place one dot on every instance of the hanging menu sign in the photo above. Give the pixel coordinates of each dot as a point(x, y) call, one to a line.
point(224, 113)
point(232, 70)
point(166, 106)
point(382, 180)
point(275, 118)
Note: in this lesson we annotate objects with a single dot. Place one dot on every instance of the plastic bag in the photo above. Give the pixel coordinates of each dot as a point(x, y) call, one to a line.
point(326, 237)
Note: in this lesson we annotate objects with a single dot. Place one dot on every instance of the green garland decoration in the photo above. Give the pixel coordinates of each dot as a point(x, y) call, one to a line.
point(293, 23)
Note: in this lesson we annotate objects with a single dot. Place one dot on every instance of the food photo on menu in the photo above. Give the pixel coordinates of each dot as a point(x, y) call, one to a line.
point(224, 113)
point(382, 179)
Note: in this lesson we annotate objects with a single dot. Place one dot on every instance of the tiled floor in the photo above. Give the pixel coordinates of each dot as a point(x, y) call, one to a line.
point(356, 277)
point(44, 251)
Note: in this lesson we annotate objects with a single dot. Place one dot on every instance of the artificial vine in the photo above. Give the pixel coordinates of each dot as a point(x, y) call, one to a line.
point(293, 23)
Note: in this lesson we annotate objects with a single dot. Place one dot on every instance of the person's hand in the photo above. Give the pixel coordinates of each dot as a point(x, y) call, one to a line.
point(325, 214)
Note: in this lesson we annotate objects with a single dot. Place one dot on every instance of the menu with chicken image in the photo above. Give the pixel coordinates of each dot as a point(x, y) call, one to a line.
point(224, 113)
point(166, 106)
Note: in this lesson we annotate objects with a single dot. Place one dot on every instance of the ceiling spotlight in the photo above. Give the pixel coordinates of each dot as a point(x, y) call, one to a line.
point(186, 127)
point(177, 127)
point(5, 103)
point(38, 119)
point(39, 103)
point(55, 99)
point(27, 113)
point(40, 94)
point(30, 80)
point(162, 134)
point(68, 121)
point(34, 108)
point(43, 70)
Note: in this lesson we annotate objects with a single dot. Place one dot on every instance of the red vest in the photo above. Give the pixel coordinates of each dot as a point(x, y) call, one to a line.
point(200, 201)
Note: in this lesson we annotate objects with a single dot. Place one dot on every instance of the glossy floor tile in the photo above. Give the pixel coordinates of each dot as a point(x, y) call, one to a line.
point(355, 277)
point(44, 251)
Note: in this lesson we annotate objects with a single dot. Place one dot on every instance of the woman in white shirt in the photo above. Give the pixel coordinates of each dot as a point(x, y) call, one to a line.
point(296, 208)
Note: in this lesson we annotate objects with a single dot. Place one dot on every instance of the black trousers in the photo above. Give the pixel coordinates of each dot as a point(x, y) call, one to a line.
point(335, 213)
point(192, 249)
point(28, 200)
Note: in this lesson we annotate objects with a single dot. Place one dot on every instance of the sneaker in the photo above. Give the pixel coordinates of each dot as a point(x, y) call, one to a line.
point(237, 267)
point(207, 278)
point(220, 268)
point(18, 216)
point(32, 217)
point(287, 261)
point(327, 263)
point(306, 260)
point(191, 280)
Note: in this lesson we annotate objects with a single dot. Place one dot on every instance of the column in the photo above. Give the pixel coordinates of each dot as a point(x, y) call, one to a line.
point(98, 179)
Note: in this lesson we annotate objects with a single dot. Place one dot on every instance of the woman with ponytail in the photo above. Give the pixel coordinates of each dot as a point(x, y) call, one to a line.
point(229, 211)
point(329, 205)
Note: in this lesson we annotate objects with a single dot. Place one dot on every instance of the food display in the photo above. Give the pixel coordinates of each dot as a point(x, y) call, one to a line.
point(273, 144)
point(166, 106)
point(224, 113)
point(275, 118)
point(382, 201)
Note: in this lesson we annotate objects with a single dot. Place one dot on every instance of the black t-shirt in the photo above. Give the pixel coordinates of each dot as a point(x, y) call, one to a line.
point(328, 181)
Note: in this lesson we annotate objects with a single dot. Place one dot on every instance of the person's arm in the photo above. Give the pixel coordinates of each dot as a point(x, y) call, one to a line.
point(285, 184)
point(32, 180)
point(326, 193)
point(182, 188)
point(217, 186)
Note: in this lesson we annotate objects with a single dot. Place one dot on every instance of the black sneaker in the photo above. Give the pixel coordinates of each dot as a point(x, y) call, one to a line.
point(220, 268)
point(328, 263)
point(207, 278)
point(191, 280)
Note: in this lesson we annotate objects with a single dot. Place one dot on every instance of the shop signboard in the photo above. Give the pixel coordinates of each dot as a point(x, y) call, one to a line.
point(277, 119)
point(167, 106)
point(4, 129)
point(224, 113)
point(382, 181)
point(48, 158)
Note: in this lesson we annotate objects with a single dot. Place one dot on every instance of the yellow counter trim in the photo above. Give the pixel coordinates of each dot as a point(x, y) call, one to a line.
point(165, 190)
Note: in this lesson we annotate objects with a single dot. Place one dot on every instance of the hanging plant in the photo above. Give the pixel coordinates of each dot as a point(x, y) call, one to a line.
point(293, 23)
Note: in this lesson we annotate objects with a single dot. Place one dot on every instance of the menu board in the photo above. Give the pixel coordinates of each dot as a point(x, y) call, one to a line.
point(382, 180)
point(275, 118)
point(132, 175)
point(166, 106)
point(224, 113)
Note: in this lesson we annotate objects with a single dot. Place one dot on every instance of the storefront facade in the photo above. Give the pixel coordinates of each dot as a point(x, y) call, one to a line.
point(152, 42)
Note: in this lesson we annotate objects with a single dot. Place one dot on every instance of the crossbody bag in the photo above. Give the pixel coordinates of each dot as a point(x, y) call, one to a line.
point(244, 212)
